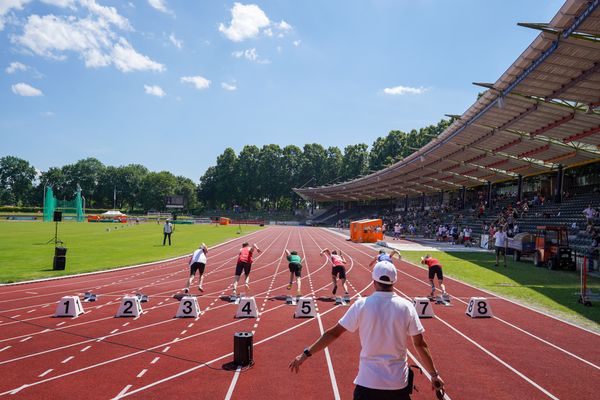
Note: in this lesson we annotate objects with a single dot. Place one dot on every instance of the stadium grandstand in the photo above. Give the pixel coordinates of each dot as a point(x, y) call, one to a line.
point(538, 120)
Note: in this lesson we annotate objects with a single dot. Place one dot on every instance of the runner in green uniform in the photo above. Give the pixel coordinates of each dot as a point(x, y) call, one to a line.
point(295, 266)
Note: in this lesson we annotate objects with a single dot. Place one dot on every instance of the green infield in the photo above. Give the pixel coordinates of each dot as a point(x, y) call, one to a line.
point(555, 292)
point(25, 253)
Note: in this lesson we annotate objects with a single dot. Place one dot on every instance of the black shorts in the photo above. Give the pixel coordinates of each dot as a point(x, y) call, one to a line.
point(365, 393)
point(296, 269)
point(197, 266)
point(339, 271)
point(436, 270)
point(242, 266)
point(500, 250)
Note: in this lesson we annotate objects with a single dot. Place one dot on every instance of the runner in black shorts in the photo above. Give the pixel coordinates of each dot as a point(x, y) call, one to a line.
point(244, 263)
point(435, 269)
point(338, 271)
point(197, 263)
point(295, 266)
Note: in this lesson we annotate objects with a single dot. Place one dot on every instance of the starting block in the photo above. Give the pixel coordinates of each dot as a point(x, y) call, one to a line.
point(479, 307)
point(69, 306)
point(305, 308)
point(89, 296)
point(423, 307)
point(247, 308)
point(443, 299)
point(290, 301)
point(188, 307)
point(143, 297)
point(234, 299)
point(130, 307)
point(342, 301)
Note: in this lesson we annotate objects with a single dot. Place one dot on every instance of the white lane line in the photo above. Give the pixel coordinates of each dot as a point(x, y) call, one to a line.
point(233, 382)
point(190, 325)
point(26, 339)
point(30, 311)
point(142, 372)
point(155, 360)
point(16, 316)
point(495, 357)
point(126, 323)
point(66, 360)
point(43, 374)
point(166, 349)
point(85, 348)
point(502, 320)
point(123, 391)
point(114, 331)
point(31, 292)
point(61, 323)
point(183, 332)
point(5, 348)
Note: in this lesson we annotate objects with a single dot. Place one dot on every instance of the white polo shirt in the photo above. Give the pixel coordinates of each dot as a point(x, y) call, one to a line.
point(384, 322)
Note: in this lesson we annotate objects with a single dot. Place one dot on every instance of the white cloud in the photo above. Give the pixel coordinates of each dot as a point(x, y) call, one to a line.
point(7, 6)
point(297, 43)
point(23, 89)
point(16, 66)
point(279, 49)
point(154, 90)
point(92, 38)
point(228, 87)
point(61, 3)
point(199, 82)
point(48, 114)
point(401, 90)
point(250, 55)
point(159, 5)
point(176, 42)
point(246, 22)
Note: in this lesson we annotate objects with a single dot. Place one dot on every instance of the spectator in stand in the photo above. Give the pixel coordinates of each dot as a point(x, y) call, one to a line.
point(396, 231)
point(516, 229)
point(589, 213)
point(467, 236)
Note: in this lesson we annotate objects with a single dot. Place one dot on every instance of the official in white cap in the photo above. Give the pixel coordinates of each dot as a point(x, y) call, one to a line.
point(384, 321)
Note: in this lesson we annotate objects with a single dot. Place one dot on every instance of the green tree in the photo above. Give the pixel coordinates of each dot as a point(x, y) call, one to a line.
point(355, 161)
point(16, 180)
point(155, 187)
point(86, 173)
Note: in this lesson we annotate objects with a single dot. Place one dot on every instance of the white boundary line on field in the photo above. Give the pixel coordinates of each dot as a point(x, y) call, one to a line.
point(488, 292)
point(118, 268)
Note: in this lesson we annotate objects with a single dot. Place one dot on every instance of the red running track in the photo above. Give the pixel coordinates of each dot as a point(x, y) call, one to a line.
point(518, 354)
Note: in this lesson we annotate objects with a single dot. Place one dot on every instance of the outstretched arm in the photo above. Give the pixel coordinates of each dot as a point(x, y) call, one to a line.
point(255, 247)
point(373, 262)
point(396, 252)
point(325, 251)
point(325, 340)
point(287, 252)
point(425, 357)
point(204, 248)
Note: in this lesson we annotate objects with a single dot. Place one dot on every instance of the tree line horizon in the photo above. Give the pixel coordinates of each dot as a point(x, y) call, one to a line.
point(253, 179)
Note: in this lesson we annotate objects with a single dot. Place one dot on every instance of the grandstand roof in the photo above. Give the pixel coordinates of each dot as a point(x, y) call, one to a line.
point(544, 111)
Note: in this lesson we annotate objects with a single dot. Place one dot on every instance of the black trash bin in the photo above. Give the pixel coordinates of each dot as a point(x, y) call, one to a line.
point(60, 258)
point(242, 349)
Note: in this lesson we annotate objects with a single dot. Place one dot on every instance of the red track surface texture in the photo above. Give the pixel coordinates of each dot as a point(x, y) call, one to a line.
point(518, 354)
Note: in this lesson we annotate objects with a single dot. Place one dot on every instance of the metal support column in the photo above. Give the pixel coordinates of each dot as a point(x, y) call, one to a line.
point(520, 188)
point(405, 203)
point(441, 197)
point(463, 197)
point(489, 194)
point(423, 201)
point(559, 184)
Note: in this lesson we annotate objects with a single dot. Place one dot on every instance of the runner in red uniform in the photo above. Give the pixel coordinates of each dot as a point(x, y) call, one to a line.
point(435, 268)
point(244, 263)
point(338, 270)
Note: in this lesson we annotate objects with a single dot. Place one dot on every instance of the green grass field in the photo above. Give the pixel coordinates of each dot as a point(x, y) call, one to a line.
point(551, 291)
point(25, 255)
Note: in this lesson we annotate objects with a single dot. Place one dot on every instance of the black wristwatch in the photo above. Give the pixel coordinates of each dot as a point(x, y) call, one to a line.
point(307, 352)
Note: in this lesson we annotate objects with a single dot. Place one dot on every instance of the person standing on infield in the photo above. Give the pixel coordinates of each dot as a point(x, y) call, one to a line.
point(500, 244)
point(244, 263)
point(338, 269)
point(197, 263)
point(168, 229)
point(295, 266)
point(384, 321)
point(435, 269)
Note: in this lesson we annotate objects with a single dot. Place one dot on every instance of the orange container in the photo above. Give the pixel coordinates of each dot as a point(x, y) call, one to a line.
point(366, 230)
point(224, 221)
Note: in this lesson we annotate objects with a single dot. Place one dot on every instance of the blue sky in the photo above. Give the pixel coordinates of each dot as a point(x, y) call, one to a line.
point(171, 83)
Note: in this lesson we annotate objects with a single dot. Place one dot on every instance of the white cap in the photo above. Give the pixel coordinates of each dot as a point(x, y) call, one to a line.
point(384, 272)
